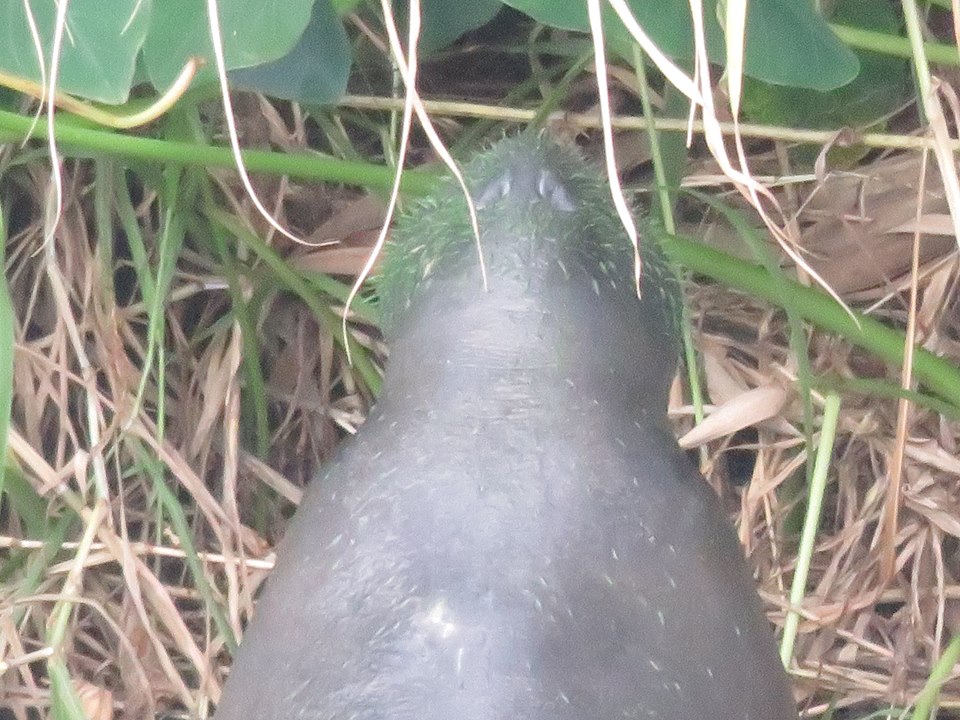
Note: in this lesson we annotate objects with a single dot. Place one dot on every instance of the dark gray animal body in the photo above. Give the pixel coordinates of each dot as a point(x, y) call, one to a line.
point(514, 533)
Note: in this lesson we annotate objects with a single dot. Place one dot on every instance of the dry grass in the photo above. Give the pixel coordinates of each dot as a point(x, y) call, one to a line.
point(863, 638)
point(141, 520)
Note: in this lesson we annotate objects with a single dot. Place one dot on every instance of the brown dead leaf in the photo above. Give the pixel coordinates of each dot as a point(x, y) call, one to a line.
point(365, 212)
point(858, 227)
point(215, 377)
point(937, 505)
point(932, 454)
point(342, 244)
point(722, 384)
point(862, 231)
point(96, 701)
point(141, 673)
point(748, 408)
point(338, 260)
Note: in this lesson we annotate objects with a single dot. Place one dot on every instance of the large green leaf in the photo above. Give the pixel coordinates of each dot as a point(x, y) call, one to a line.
point(315, 71)
point(880, 88)
point(443, 21)
point(254, 32)
point(100, 44)
point(787, 42)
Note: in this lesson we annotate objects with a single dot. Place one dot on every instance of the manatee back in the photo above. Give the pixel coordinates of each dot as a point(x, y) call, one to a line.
point(514, 533)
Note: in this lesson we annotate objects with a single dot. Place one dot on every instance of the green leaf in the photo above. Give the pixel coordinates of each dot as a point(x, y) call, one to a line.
point(443, 21)
point(315, 71)
point(342, 7)
point(880, 87)
point(100, 44)
point(254, 32)
point(787, 42)
point(563, 15)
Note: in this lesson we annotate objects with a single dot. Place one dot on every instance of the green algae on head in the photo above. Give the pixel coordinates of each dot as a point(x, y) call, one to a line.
point(538, 198)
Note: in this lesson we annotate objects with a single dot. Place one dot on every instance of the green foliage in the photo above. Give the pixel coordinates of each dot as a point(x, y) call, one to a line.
point(314, 71)
point(787, 42)
point(110, 46)
point(790, 44)
point(444, 21)
point(253, 31)
point(298, 49)
point(880, 87)
point(938, 375)
point(100, 47)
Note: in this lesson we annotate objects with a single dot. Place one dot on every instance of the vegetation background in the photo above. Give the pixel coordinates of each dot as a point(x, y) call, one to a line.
point(178, 260)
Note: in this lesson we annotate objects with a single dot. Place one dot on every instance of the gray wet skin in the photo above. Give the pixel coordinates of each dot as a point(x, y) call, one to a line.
point(514, 533)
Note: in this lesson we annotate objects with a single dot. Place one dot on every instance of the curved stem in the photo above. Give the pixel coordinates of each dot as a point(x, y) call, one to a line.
point(939, 375)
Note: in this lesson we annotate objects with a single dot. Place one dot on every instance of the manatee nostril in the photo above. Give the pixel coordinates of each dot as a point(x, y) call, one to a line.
point(552, 190)
point(496, 189)
point(526, 187)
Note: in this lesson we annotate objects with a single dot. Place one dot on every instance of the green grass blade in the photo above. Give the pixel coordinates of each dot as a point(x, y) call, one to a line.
point(6, 356)
point(937, 374)
point(811, 523)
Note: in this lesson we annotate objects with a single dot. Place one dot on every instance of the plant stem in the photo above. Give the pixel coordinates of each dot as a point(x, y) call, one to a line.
point(939, 375)
point(83, 141)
